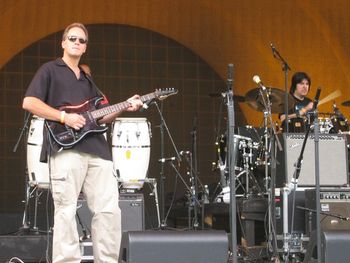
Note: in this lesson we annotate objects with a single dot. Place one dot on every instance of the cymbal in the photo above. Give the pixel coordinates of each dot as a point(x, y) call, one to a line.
point(254, 100)
point(237, 98)
point(346, 103)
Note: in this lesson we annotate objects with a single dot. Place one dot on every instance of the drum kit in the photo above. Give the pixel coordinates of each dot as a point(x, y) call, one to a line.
point(252, 144)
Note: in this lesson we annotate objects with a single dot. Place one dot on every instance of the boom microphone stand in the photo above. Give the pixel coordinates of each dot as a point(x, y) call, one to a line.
point(285, 68)
point(162, 160)
point(294, 181)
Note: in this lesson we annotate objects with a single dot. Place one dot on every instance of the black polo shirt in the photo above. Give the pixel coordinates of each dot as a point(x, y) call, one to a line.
point(56, 84)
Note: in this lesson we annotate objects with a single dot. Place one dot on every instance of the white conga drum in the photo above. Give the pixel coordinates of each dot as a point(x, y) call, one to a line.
point(38, 172)
point(131, 151)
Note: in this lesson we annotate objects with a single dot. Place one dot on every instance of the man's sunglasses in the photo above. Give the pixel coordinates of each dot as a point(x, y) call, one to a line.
point(74, 38)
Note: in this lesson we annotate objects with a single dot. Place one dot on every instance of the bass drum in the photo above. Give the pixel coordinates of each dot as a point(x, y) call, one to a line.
point(243, 155)
point(38, 172)
point(131, 151)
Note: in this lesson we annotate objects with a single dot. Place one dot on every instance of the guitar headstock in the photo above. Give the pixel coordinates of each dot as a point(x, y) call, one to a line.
point(162, 94)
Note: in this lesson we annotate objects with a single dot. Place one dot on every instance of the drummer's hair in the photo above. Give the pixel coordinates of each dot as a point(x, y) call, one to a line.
point(297, 78)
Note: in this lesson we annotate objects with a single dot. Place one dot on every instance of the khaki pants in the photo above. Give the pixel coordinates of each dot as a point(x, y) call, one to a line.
point(71, 173)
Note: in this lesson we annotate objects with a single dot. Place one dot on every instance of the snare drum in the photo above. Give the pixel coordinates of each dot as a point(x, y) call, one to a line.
point(295, 125)
point(38, 172)
point(131, 151)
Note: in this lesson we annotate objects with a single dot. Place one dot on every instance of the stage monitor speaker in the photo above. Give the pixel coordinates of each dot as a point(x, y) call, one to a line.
point(333, 160)
point(132, 210)
point(334, 202)
point(174, 247)
point(335, 247)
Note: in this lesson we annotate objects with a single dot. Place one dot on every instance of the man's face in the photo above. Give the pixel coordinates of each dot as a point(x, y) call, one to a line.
point(302, 88)
point(74, 45)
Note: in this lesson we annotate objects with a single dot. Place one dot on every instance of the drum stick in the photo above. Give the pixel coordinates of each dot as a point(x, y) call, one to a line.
point(332, 96)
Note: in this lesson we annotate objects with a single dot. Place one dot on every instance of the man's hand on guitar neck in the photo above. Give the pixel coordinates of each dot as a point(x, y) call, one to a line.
point(135, 103)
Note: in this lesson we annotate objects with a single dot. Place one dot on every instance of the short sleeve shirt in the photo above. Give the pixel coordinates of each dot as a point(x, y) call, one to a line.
point(57, 85)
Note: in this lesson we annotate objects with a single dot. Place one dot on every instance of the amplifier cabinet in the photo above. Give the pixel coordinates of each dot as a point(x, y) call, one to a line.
point(333, 202)
point(132, 211)
point(333, 160)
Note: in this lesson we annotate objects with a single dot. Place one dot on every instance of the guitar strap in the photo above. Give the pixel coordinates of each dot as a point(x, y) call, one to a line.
point(92, 83)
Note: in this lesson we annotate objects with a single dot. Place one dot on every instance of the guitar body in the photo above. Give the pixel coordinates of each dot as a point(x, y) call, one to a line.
point(66, 136)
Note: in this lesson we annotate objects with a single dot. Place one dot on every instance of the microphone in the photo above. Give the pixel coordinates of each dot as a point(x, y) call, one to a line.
point(229, 75)
point(170, 159)
point(258, 81)
point(146, 105)
point(273, 50)
point(316, 99)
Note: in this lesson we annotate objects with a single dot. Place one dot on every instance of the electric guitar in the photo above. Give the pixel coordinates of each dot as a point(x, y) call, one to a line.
point(67, 137)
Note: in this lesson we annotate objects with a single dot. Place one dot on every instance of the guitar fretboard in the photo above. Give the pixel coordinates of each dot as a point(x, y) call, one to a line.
point(97, 114)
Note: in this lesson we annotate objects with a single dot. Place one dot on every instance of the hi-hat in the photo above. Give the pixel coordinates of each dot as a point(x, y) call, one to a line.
point(346, 103)
point(237, 98)
point(276, 97)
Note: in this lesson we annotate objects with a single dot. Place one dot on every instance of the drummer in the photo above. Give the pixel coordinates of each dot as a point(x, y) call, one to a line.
point(299, 88)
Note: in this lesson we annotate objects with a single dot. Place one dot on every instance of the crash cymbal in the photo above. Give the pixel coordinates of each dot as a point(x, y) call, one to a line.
point(346, 103)
point(254, 100)
point(237, 98)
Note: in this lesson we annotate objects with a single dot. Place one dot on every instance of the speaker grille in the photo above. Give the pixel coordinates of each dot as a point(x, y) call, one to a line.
point(333, 160)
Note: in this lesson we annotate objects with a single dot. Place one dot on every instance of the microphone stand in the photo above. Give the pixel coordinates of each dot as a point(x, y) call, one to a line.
point(317, 177)
point(163, 125)
point(231, 161)
point(343, 218)
point(194, 170)
point(294, 181)
point(285, 68)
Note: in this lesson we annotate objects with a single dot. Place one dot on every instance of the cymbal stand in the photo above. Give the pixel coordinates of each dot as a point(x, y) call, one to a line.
point(270, 148)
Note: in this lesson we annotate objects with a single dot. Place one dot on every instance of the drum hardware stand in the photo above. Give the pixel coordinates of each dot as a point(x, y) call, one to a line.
point(163, 125)
point(153, 182)
point(25, 222)
point(193, 200)
point(194, 173)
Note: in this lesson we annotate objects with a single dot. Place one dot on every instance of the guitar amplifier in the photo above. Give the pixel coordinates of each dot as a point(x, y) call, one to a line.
point(132, 211)
point(333, 160)
point(335, 202)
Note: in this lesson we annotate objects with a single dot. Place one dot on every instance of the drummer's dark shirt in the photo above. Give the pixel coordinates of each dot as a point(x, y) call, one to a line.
point(298, 104)
point(57, 85)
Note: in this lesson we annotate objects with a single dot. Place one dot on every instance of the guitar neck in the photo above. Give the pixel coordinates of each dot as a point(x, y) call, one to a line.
point(97, 114)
